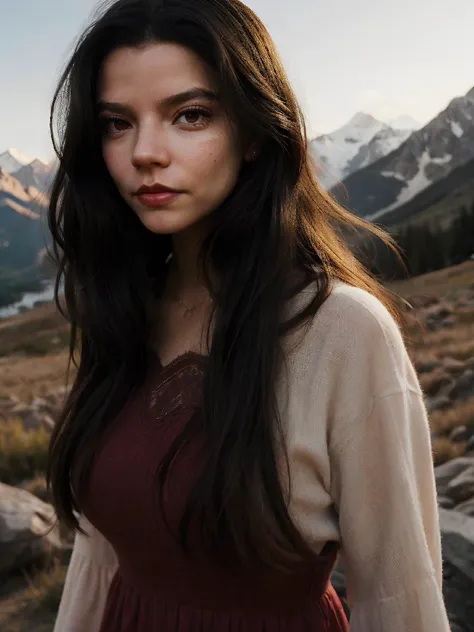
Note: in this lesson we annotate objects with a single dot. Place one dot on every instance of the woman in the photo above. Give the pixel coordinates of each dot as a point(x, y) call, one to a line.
point(244, 408)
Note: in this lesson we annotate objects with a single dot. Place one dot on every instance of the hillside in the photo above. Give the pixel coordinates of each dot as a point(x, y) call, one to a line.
point(33, 361)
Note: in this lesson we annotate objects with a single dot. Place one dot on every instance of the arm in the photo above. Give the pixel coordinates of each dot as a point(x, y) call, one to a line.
point(384, 490)
point(91, 569)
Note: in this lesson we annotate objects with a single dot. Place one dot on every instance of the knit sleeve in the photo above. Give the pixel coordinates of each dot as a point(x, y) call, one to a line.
point(384, 491)
point(91, 569)
point(380, 467)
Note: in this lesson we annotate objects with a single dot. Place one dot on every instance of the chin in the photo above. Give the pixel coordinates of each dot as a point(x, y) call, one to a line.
point(164, 222)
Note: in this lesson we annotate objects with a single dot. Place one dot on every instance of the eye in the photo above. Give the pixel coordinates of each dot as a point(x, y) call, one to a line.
point(194, 113)
point(113, 125)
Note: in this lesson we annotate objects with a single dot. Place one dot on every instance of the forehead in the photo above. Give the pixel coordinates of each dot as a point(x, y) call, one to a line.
point(157, 70)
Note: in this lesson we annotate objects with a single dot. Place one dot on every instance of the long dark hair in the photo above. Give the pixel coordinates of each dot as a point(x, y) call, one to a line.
point(276, 221)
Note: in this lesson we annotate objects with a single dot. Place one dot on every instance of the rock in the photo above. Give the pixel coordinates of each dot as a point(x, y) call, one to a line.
point(461, 433)
point(48, 422)
point(457, 536)
point(27, 528)
point(447, 323)
point(446, 503)
point(433, 382)
point(20, 410)
point(470, 447)
point(467, 507)
point(439, 310)
point(440, 402)
point(461, 487)
point(448, 471)
point(453, 366)
point(438, 316)
point(463, 387)
point(40, 404)
point(426, 366)
point(32, 421)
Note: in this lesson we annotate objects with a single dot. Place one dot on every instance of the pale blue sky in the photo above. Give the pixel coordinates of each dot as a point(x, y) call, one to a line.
point(384, 57)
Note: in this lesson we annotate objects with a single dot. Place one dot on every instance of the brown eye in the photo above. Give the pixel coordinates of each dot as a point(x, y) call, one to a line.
point(113, 125)
point(193, 116)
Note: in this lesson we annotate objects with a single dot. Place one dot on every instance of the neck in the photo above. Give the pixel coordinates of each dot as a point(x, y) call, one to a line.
point(185, 279)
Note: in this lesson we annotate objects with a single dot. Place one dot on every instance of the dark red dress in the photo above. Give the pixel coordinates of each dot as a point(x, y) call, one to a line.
point(157, 588)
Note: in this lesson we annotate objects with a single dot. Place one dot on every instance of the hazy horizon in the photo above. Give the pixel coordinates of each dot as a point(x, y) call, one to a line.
point(390, 61)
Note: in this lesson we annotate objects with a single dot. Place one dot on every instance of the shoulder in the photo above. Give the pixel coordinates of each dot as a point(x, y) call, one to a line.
point(348, 309)
point(354, 338)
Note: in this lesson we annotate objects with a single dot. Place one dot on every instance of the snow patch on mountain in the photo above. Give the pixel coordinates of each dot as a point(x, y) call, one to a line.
point(11, 160)
point(419, 182)
point(359, 143)
point(456, 129)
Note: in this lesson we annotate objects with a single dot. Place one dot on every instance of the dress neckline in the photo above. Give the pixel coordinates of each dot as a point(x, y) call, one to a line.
point(185, 357)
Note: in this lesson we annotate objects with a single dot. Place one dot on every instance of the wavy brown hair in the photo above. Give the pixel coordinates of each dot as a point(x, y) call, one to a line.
point(276, 221)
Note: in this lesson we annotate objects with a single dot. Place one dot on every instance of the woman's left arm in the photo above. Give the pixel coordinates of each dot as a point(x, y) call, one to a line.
point(383, 486)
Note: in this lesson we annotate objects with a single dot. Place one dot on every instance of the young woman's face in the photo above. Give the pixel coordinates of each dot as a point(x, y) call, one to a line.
point(187, 145)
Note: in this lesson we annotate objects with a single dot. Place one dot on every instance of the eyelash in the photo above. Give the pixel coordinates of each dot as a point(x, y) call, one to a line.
point(106, 122)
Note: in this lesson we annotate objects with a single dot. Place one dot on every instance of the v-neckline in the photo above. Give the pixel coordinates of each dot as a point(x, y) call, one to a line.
point(182, 357)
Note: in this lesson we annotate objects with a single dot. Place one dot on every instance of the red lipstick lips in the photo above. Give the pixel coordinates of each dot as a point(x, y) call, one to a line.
point(156, 195)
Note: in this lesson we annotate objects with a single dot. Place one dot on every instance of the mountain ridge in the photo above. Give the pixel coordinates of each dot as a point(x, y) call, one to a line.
point(425, 157)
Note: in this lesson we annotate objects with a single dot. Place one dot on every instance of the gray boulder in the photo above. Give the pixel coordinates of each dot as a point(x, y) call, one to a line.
point(461, 488)
point(446, 472)
point(467, 507)
point(27, 529)
point(457, 534)
point(463, 387)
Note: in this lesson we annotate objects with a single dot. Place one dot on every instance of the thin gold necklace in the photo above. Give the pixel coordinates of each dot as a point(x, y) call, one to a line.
point(188, 311)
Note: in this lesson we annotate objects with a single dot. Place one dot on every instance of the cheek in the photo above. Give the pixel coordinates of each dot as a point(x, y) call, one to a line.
point(113, 162)
point(215, 161)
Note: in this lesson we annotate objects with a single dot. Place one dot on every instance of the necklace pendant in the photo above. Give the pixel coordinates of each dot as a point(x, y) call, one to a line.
point(188, 311)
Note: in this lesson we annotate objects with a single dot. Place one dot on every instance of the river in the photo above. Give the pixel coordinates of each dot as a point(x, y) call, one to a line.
point(27, 301)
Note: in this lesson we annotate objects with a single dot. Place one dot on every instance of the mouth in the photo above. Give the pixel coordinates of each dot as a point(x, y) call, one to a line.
point(157, 199)
point(154, 188)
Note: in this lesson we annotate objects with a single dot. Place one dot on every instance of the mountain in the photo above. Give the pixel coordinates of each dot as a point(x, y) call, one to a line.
point(427, 156)
point(22, 236)
point(360, 142)
point(440, 203)
point(12, 160)
point(35, 174)
point(404, 122)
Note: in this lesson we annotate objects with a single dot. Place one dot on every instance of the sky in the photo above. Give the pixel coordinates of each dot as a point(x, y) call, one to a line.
point(384, 57)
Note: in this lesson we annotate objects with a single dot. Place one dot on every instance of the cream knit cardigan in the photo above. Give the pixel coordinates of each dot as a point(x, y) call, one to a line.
point(361, 467)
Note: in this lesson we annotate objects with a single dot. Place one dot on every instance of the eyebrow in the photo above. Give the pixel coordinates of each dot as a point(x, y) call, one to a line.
point(171, 101)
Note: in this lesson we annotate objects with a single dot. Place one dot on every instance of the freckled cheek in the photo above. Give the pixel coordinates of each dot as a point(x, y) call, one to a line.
point(213, 160)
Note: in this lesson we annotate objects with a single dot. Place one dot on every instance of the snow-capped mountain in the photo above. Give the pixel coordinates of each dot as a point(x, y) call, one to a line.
point(31, 172)
point(27, 201)
point(11, 160)
point(427, 156)
point(35, 174)
point(363, 140)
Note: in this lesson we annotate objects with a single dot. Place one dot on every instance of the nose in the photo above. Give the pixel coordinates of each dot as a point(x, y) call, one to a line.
point(150, 149)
